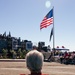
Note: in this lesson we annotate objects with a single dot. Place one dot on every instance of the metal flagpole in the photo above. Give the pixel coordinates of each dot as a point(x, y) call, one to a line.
point(53, 31)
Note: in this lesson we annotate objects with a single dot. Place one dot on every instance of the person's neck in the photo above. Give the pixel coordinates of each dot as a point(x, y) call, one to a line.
point(36, 73)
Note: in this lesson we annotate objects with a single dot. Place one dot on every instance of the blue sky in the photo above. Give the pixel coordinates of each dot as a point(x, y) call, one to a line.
point(23, 17)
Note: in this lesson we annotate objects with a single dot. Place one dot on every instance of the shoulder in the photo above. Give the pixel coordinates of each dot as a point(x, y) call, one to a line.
point(45, 74)
point(22, 74)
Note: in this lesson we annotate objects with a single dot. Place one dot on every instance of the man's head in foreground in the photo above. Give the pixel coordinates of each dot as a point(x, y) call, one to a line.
point(34, 61)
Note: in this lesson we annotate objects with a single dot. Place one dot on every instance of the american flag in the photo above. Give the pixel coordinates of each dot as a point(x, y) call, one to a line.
point(48, 20)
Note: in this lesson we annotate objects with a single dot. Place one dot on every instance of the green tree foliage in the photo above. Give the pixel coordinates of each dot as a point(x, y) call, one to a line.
point(24, 52)
point(4, 53)
point(19, 53)
point(13, 54)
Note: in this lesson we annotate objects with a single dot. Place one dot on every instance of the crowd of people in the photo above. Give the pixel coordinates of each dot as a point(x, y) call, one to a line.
point(63, 57)
point(67, 57)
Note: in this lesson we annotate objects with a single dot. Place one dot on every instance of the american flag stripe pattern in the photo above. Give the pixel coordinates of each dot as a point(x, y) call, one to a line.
point(48, 20)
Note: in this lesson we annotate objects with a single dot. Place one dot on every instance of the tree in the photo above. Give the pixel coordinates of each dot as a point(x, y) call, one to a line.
point(24, 52)
point(13, 54)
point(4, 53)
point(19, 53)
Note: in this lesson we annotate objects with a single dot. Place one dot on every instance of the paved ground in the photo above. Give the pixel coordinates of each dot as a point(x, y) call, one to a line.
point(51, 68)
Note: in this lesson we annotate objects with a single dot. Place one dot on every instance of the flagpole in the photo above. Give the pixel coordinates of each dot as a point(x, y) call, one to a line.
point(53, 31)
